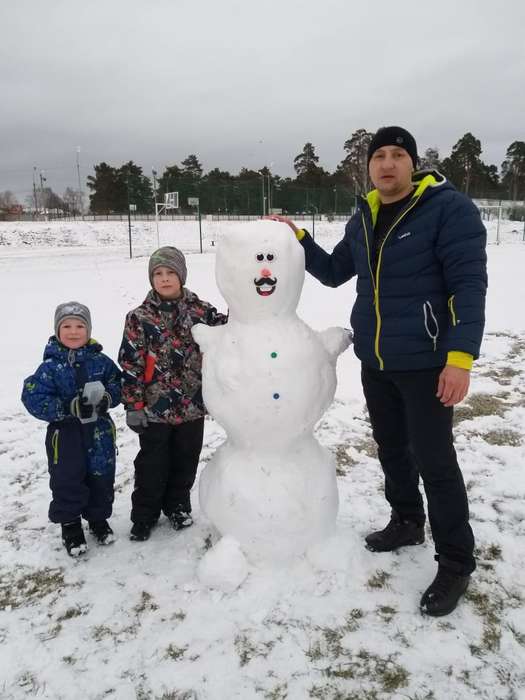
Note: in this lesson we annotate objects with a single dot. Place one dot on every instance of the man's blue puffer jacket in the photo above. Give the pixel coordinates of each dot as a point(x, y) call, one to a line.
point(427, 296)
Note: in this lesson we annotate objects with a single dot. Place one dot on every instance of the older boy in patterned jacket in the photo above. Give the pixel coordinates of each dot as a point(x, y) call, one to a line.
point(162, 393)
point(72, 390)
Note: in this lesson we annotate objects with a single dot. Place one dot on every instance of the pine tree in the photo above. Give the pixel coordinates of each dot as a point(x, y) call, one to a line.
point(306, 161)
point(464, 163)
point(105, 189)
point(513, 170)
point(135, 186)
point(354, 167)
point(191, 168)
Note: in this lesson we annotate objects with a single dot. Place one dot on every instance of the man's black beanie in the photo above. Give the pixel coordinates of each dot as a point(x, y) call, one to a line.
point(393, 136)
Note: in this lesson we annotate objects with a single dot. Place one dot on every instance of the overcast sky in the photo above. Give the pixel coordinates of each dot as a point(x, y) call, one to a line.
point(246, 83)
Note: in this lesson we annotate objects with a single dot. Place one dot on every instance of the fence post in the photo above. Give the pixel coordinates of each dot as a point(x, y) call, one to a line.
point(499, 220)
point(200, 228)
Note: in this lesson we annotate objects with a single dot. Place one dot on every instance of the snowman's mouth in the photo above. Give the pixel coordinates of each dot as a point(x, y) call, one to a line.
point(265, 286)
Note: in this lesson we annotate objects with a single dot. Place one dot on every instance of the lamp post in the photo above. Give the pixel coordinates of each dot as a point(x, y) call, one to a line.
point(335, 200)
point(42, 180)
point(34, 190)
point(263, 192)
point(80, 197)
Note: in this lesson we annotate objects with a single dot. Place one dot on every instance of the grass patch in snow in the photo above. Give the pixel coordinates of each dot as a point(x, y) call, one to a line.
point(489, 607)
point(380, 674)
point(175, 653)
point(379, 579)
point(28, 587)
point(146, 603)
point(479, 405)
point(503, 437)
point(247, 650)
point(343, 460)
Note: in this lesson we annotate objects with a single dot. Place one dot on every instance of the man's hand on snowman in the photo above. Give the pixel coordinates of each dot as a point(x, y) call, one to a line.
point(282, 220)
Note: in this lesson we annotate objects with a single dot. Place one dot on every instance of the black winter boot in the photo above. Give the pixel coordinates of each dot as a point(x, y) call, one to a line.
point(140, 532)
point(398, 533)
point(180, 519)
point(443, 594)
point(102, 532)
point(73, 538)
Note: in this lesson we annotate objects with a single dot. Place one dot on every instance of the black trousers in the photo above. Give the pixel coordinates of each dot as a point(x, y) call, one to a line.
point(413, 432)
point(75, 491)
point(165, 469)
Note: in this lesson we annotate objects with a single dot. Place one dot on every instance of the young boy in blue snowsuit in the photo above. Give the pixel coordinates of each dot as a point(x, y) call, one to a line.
point(72, 390)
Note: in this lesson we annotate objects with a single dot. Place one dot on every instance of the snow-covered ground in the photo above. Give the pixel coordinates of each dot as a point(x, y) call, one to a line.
point(132, 620)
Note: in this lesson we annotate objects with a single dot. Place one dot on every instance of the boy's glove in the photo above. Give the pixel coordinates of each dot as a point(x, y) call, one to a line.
point(137, 420)
point(80, 408)
point(104, 404)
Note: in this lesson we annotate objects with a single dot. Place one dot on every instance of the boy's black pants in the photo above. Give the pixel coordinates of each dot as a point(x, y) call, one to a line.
point(413, 431)
point(75, 491)
point(165, 469)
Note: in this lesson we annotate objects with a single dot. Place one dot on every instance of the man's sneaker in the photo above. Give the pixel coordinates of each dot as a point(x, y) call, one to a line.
point(141, 531)
point(180, 519)
point(73, 538)
point(443, 594)
point(102, 532)
point(398, 533)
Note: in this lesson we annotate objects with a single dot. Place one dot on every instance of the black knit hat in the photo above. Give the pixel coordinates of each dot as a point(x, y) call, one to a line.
point(171, 257)
point(394, 136)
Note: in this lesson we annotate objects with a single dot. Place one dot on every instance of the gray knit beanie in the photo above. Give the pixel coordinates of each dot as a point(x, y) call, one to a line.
point(72, 309)
point(171, 257)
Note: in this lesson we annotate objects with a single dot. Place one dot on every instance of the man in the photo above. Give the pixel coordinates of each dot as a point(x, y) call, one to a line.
point(417, 247)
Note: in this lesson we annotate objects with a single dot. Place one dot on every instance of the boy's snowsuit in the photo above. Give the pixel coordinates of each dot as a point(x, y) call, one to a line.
point(81, 457)
point(161, 366)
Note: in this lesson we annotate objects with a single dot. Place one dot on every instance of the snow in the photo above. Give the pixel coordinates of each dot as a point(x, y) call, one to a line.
point(134, 620)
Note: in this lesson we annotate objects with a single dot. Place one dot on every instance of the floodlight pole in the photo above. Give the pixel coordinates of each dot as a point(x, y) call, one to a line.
point(156, 208)
point(263, 193)
point(80, 197)
point(34, 190)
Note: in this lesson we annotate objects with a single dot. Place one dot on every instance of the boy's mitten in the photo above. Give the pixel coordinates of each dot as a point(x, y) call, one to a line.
point(104, 404)
point(80, 408)
point(137, 420)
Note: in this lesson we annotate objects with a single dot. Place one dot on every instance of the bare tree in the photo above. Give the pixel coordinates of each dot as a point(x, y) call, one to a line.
point(7, 200)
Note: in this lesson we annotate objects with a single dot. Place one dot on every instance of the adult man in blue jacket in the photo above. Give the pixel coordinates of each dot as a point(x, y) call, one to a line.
point(417, 247)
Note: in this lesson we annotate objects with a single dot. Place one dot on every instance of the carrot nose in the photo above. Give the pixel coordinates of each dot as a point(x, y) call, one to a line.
point(265, 272)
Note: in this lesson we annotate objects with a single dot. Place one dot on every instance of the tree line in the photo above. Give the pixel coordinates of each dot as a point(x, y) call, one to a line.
point(313, 189)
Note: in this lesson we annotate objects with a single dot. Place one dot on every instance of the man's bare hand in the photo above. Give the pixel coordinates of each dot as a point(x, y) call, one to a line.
point(453, 385)
point(283, 220)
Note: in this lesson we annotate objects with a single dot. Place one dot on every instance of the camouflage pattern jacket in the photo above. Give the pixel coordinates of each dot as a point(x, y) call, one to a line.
point(161, 362)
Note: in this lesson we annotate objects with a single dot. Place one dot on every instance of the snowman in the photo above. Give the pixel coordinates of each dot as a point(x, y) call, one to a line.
point(270, 489)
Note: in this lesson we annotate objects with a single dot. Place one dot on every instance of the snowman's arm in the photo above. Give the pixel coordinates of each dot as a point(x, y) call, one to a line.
point(336, 340)
point(205, 336)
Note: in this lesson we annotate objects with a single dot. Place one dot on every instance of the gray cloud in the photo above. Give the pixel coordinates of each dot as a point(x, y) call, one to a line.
point(248, 83)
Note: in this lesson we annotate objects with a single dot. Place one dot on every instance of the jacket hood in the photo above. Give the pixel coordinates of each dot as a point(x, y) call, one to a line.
point(56, 351)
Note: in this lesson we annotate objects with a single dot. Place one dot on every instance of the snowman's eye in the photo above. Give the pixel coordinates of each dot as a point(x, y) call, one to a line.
point(270, 257)
point(260, 257)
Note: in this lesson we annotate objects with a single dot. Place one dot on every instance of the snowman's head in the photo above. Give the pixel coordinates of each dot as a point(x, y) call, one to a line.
point(260, 270)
